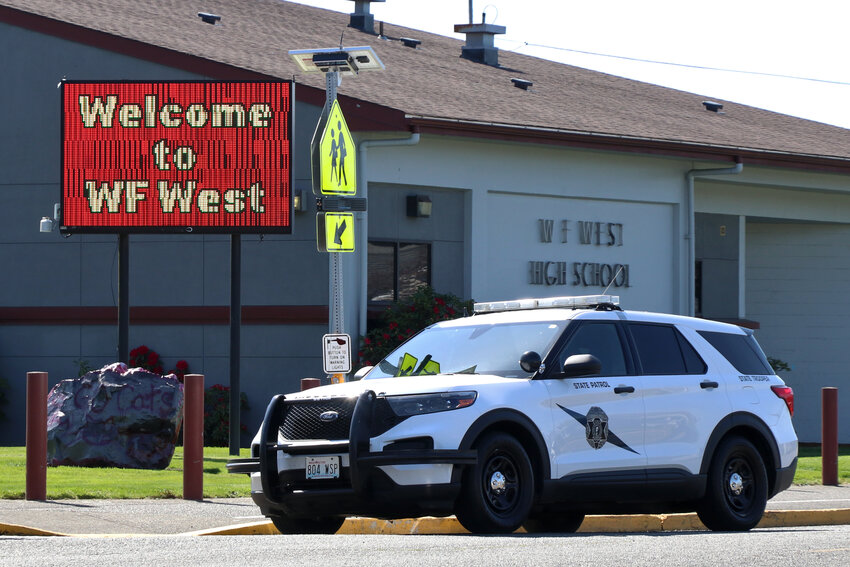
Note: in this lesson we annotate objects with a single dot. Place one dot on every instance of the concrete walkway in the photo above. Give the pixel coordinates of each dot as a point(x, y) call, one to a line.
point(797, 506)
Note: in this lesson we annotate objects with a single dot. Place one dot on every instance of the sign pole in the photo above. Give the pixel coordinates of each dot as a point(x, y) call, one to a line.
point(337, 321)
point(124, 298)
point(235, 338)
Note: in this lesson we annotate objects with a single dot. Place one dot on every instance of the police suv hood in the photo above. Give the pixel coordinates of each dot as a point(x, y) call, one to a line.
point(404, 385)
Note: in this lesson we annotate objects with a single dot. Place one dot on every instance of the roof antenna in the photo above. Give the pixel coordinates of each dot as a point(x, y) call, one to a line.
point(613, 280)
point(340, 39)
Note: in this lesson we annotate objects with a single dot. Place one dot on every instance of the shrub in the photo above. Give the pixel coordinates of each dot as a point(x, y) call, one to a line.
point(217, 415)
point(403, 319)
point(144, 357)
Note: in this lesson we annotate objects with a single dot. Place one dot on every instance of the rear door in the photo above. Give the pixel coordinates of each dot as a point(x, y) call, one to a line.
point(684, 401)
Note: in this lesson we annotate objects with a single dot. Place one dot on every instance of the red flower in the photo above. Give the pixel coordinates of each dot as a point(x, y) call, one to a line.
point(440, 301)
point(436, 309)
point(367, 341)
point(386, 336)
point(393, 325)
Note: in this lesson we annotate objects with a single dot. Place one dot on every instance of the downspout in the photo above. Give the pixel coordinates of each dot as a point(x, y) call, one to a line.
point(691, 237)
point(363, 243)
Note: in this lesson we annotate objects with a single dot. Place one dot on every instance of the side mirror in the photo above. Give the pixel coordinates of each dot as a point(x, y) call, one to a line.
point(582, 365)
point(530, 361)
point(362, 372)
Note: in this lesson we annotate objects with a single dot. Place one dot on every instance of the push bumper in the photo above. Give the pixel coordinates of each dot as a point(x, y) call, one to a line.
point(363, 488)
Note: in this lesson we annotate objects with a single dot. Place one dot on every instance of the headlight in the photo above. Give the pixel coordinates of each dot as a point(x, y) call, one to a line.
point(418, 404)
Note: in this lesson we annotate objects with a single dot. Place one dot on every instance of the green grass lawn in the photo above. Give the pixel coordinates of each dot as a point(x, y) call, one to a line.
point(91, 482)
point(85, 482)
point(809, 465)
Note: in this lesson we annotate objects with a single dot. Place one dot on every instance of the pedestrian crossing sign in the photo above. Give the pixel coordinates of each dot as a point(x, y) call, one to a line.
point(335, 232)
point(337, 156)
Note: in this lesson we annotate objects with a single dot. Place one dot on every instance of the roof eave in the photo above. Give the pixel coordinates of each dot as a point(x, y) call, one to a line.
point(625, 143)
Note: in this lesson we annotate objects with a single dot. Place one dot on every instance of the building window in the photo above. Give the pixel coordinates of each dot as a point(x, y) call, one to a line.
point(397, 270)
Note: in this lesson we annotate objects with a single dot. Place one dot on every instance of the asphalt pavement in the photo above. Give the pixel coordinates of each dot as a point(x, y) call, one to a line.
point(797, 506)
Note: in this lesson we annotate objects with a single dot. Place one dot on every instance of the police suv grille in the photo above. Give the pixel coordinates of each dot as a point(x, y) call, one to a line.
point(301, 420)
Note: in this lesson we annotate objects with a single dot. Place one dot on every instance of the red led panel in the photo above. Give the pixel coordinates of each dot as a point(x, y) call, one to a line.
point(176, 157)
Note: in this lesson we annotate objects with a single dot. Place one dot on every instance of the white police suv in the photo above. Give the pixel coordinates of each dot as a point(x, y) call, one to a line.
point(534, 413)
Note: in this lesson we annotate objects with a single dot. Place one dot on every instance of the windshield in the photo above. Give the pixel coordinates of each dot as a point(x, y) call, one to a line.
point(470, 349)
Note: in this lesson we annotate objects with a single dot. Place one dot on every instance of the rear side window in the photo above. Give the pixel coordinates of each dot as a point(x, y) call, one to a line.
point(742, 352)
point(662, 350)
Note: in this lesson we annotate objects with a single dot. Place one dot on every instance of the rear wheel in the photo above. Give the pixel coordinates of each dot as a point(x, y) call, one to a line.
point(287, 525)
point(559, 522)
point(498, 491)
point(736, 494)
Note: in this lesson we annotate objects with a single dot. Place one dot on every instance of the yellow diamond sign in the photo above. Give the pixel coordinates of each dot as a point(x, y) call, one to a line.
point(335, 232)
point(337, 156)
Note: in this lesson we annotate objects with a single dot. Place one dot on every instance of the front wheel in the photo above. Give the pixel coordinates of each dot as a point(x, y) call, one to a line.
point(736, 494)
point(497, 492)
point(287, 525)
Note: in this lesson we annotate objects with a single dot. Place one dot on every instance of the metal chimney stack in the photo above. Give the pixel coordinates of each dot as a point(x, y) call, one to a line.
point(361, 18)
point(480, 46)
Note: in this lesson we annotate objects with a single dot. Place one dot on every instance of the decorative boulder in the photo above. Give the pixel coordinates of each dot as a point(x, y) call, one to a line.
point(114, 417)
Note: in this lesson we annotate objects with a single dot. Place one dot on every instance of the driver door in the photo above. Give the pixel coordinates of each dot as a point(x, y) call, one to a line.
point(598, 421)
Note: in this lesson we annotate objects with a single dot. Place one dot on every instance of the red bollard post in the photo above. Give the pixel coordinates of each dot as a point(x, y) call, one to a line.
point(829, 436)
point(307, 383)
point(193, 437)
point(36, 484)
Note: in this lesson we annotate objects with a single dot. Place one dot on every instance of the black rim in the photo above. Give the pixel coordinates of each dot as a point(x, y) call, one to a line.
point(739, 472)
point(502, 500)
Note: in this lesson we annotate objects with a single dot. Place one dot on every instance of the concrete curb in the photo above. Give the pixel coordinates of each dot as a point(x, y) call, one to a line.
point(633, 523)
point(16, 530)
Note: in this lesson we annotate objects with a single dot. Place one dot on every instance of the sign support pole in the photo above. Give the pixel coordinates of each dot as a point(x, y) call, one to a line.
point(124, 298)
point(235, 338)
point(337, 322)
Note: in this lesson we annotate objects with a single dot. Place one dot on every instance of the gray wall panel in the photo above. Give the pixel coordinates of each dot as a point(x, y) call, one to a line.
point(39, 275)
point(798, 289)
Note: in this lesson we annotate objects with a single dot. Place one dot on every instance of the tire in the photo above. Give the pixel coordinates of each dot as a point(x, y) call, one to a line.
point(736, 494)
point(554, 522)
point(497, 493)
point(287, 525)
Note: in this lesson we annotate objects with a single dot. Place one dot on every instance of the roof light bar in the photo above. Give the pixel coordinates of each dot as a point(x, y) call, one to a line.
point(568, 302)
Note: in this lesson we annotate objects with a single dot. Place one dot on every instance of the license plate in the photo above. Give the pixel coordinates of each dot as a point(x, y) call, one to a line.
point(322, 467)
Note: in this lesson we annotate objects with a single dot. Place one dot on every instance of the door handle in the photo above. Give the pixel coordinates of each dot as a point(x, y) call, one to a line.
point(708, 384)
point(624, 389)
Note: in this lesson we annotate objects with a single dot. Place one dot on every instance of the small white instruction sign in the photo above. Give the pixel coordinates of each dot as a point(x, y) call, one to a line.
point(336, 351)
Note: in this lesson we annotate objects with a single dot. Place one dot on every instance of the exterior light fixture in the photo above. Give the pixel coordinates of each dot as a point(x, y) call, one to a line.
point(299, 202)
point(419, 206)
point(47, 224)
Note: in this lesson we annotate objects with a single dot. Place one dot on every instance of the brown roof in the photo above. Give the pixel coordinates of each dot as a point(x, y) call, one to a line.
point(431, 87)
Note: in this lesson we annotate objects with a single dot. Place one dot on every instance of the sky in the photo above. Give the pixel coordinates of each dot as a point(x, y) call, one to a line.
point(741, 51)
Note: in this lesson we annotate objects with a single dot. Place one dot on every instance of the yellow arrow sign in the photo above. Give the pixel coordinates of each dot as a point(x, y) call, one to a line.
point(337, 156)
point(335, 232)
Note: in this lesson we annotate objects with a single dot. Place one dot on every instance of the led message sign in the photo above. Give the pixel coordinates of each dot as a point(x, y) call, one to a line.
point(176, 157)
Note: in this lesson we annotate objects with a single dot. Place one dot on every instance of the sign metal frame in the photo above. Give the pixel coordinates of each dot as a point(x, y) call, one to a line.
point(148, 128)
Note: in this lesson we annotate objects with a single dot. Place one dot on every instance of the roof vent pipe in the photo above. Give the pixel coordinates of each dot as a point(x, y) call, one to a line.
point(361, 18)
